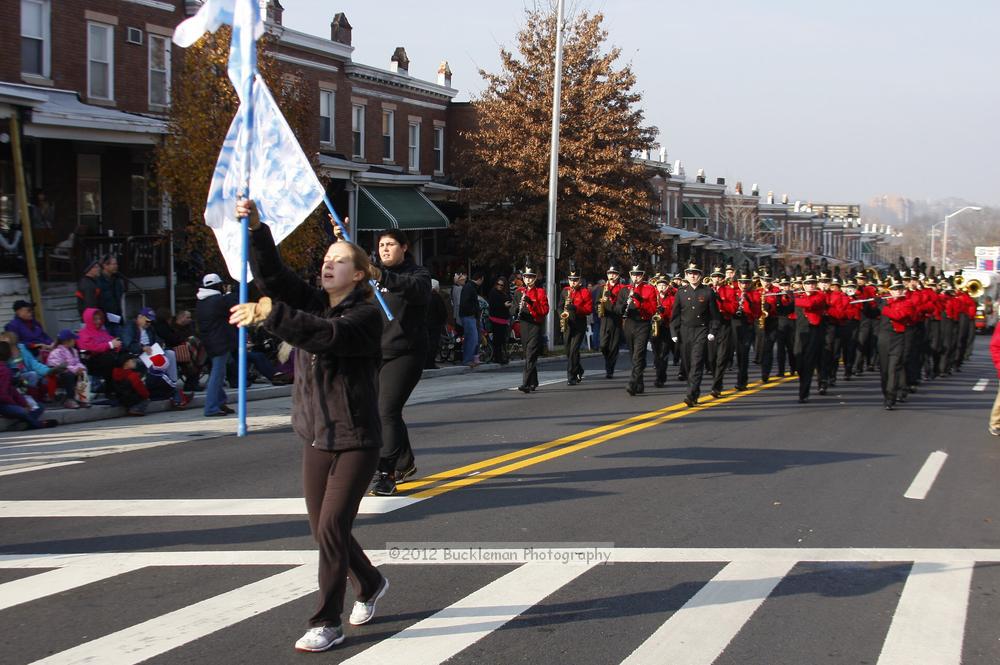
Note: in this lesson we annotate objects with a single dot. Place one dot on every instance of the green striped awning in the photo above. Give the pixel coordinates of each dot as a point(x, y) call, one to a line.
point(693, 211)
point(397, 208)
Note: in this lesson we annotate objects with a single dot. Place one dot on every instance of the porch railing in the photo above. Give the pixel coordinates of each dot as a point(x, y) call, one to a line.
point(138, 256)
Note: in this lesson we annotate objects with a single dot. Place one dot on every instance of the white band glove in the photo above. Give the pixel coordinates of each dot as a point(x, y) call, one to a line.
point(674, 339)
point(711, 337)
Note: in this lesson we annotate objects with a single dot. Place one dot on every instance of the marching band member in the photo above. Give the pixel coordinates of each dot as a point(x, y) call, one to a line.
point(611, 322)
point(810, 307)
point(720, 353)
point(898, 313)
point(745, 312)
point(694, 322)
point(637, 305)
point(827, 371)
point(849, 315)
point(868, 327)
point(575, 306)
point(660, 337)
point(530, 307)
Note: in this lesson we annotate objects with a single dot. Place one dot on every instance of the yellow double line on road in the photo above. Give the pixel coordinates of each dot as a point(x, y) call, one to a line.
point(470, 474)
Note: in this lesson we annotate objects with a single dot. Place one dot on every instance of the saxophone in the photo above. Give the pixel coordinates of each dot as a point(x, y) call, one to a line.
point(604, 299)
point(564, 315)
point(656, 322)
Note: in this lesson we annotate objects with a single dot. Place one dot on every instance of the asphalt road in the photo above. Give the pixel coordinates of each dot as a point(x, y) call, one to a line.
point(752, 529)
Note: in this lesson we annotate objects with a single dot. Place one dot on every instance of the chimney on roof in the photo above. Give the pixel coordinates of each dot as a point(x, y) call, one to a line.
point(754, 190)
point(678, 169)
point(399, 63)
point(274, 11)
point(340, 29)
point(770, 197)
point(663, 154)
point(784, 199)
point(798, 206)
point(701, 176)
point(720, 181)
point(444, 74)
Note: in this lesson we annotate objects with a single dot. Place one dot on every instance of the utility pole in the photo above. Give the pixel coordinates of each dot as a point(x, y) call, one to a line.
point(551, 283)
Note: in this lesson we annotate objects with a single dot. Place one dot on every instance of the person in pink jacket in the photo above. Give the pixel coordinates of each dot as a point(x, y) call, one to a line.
point(101, 346)
point(72, 372)
point(994, 426)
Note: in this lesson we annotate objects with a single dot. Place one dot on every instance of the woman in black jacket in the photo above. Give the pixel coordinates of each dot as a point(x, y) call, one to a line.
point(337, 330)
point(407, 289)
point(500, 302)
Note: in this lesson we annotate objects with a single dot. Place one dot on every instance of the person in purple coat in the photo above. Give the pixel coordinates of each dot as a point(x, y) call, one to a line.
point(29, 331)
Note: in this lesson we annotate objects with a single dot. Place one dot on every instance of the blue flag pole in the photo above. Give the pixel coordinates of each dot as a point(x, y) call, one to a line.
point(347, 236)
point(241, 352)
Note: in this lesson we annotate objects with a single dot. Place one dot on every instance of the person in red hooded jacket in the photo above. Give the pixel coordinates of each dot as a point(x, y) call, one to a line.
point(994, 426)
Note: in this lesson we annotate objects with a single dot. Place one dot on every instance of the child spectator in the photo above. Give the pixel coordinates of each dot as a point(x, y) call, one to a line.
point(72, 375)
point(129, 388)
point(25, 369)
point(13, 404)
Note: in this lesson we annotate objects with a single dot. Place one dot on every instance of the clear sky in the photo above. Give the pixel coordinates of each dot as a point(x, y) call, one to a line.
point(827, 101)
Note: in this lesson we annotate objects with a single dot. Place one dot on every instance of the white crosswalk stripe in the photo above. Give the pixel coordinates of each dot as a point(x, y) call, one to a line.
point(927, 626)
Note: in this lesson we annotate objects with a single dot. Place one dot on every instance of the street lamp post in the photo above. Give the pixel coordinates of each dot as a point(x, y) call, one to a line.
point(550, 259)
point(944, 241)
point(934, 234)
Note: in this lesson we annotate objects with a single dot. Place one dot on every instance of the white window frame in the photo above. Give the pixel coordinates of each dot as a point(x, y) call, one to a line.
point(355, 129)
point(110, 62)
point(330, 95)
point(151, 39)
point(45, 37)
point(439, 150)
point(389, 156)
point(413, 152)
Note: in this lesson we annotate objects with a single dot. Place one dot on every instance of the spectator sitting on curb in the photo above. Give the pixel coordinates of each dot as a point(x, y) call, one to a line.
point(26, 368)
point(178, 333)
point(138, 337)
point(72, 374)
point(13, 404)
point(29, 331)
point(129, 389)
point(101, 346)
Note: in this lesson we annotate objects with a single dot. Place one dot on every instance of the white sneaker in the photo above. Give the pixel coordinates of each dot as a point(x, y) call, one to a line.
point(364, 612)
point(320, 638)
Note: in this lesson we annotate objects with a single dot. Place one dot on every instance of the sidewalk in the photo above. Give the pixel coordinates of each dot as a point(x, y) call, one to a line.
point(78, 439)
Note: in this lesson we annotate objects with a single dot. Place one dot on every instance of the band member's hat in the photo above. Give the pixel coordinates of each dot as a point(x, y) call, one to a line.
point(679, 276)
point(945, 285)
point(661, 279)
point(729, 266)
point(784, 280)
point(693, 267)
point(744, 277)
point(613, 270)
point(717, 271)
point(860, 275)
point(636, 270)
point(835, 281)
point(764, 273)
point(850, 283)
point(573, 274)
point(528, 272)
point(825, 277)
point(809, 279)
point(896, 284)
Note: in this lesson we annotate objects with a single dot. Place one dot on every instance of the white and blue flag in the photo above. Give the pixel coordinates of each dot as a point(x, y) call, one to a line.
point(259, 141)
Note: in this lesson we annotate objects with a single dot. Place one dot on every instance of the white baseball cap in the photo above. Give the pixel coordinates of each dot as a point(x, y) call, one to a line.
point(211, 279)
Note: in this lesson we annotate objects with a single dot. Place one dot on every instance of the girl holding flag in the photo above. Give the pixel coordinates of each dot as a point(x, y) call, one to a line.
point(338, 329)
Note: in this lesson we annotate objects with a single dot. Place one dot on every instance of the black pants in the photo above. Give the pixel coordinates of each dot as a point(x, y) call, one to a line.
point(768, 338)
point(396, 380)
point(827, 370)
point(721, 351)
point(334, 484)
point(637, 337)
point(932, 348)
point(848, 335)
point(611, 340)
point(101, 364)
point(891, 347)
point(867, 333)
point(500, 332)
point(808, 345)
point(785, 343)
point(694, 350)
point(531, 338)
point(961, 341)
point(743, 334)
point(574, 340)
point(662, 348)
point(949, 333)
point(912, 343)
point(433, 347)
point(970, 339)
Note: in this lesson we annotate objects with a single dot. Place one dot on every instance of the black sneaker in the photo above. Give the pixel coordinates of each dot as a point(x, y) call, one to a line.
point(716, 394)
point(572, 382)
point(402, 475)
point(690, 401)
point(384, 485)
point(630, 390)
point(524, 389)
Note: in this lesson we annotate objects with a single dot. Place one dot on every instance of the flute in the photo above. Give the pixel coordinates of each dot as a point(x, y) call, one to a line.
point(855, 302)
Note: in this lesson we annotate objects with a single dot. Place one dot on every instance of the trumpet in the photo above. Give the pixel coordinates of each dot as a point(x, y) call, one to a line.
point(564, 315)
point(602, 301)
